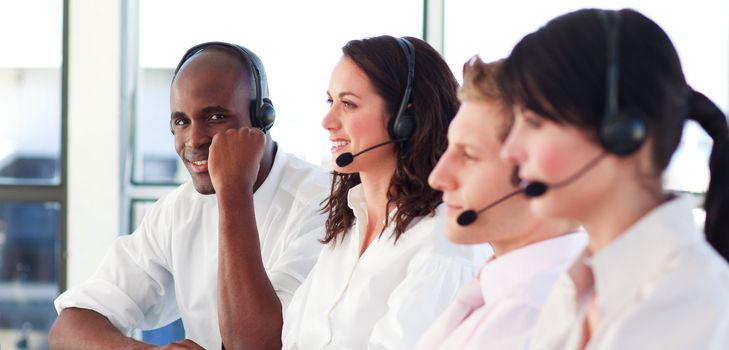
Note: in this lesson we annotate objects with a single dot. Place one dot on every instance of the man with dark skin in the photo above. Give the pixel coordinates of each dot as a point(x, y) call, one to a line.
point(229, 158)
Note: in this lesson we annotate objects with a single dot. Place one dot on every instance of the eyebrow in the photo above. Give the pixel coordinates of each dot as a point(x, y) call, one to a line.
point(214, 109)
point(205, 111)
point(468, 144)
point(347, 93)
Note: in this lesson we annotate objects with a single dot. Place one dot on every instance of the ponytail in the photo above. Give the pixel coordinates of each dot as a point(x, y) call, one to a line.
point(716, 204)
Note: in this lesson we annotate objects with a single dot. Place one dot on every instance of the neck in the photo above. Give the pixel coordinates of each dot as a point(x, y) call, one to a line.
point(375, 185)
point(617, 212)
point(269, 153)
point(541, 230)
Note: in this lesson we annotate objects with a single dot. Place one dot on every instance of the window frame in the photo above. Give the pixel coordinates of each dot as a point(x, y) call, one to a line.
point(58, 193)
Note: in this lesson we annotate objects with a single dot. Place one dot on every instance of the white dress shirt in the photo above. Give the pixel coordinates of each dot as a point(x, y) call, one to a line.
point(167, 268)
point(499, 308)
point(386, 298)
point(659, 285)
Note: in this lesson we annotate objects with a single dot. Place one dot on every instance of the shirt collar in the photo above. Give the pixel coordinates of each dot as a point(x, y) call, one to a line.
point(263, 197)
point(640, 253)
point(501, 276)
point(356, 202)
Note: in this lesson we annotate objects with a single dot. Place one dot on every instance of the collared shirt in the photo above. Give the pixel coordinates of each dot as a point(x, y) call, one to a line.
point(659, 285)
point(168, 267)
point(386, 298)
point(499, 308)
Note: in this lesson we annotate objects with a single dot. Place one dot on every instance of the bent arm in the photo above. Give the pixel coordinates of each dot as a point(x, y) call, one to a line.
point(249, 310)
point(80, 329)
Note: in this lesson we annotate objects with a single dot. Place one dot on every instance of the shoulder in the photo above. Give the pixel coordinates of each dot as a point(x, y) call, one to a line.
point(303, 180)
point(177, 207)
point(427, 235)
point(184, 198)
point(183, 193)
point(697, 268)
point(693, 284)
point(693, 288)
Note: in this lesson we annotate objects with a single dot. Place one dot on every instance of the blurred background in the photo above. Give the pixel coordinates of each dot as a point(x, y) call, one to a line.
point(85, 146)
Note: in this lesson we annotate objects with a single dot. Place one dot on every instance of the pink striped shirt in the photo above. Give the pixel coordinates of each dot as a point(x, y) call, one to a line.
point(500, 307)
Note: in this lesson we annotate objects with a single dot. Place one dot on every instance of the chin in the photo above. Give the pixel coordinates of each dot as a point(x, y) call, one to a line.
point(349, 169)
point(203, 187)
point(546, 208)
point(461, 235)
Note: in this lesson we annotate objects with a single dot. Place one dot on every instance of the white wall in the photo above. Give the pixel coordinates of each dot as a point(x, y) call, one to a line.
point(93, 134)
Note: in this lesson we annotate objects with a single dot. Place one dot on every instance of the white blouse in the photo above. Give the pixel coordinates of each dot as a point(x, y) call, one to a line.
point(659, 285)
point(386, 298)
point(168, 267)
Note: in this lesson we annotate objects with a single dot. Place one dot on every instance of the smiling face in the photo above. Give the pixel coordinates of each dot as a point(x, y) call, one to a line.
point(471, 175)
point(357, 119)
point(210, 94)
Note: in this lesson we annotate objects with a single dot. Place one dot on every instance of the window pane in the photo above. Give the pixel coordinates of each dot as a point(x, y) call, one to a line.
point(30, 91)
point(29, 260)
point(139, 209)
point(156, 160)
point(298, 52)
point(699, 30)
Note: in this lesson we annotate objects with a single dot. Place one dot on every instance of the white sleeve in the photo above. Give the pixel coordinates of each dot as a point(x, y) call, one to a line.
point(430, 285)
point(303, 230)
point(132, 286)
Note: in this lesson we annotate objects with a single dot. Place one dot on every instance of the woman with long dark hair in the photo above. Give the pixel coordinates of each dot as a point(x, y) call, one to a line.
point(386, 271)
point(600, 101)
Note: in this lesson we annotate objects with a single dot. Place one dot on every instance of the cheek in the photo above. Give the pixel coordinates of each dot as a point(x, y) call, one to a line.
point(365, 128)
point(552, 160)
point(179, 142)
point(489, 184)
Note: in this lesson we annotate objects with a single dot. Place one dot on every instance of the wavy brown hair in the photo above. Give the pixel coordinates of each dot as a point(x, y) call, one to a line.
point(433, 103)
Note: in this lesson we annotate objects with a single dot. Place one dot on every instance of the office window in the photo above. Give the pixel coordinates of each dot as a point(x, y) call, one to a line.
point(699, 30)
point(299, 43)
point(29, 260)
point(31, 168)
point(30, 93)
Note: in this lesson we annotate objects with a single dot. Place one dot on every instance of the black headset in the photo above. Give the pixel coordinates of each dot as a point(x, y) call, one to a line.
point(402, 125)
point(262, 113)
point(621, 133)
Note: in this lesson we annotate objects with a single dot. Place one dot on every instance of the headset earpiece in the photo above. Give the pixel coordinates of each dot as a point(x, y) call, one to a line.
point(262, 113)
point(265, 115)
point(621, 133)
point(402, 125)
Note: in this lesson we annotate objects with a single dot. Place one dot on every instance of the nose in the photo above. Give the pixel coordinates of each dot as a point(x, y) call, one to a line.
point(441, 178)
point(512, 150)
point(331, 120)
point(198, 136)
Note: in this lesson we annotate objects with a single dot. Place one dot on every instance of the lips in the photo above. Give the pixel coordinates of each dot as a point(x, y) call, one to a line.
point(198, 165)
point(452, 209)
point(339, 144)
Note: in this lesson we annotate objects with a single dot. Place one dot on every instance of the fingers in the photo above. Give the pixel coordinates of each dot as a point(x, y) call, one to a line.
point(185, 344)
point(253, 135)
point(234, 159)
